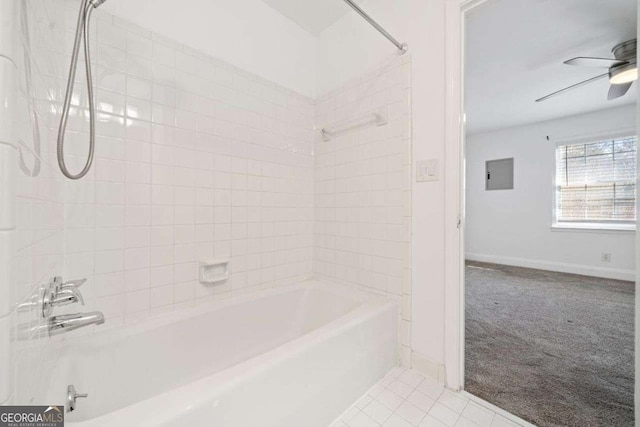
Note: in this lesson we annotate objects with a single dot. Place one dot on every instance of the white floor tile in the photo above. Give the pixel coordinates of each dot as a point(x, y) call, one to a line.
point(396, 421)
point(430, 388)
point(386, 381)
point(444, 414)
point(364, 401)
point(453, 401)
point(411, 378)
point(464, 422)
point(422, 401)
point(407, 399)
point(377, 411)
point(376, 390)
point(396, 372)
point(349, 413)
point(429, 421)
point(479, 415)
point(362, 420)
point(411, 413)
point(500, 421)
point(401, 389)
point(389, 399)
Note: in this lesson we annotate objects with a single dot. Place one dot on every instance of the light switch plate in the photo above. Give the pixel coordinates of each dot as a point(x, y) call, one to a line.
point(427, 170)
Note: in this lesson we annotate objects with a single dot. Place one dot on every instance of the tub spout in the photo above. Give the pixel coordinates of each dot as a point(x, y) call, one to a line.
point(69, 322)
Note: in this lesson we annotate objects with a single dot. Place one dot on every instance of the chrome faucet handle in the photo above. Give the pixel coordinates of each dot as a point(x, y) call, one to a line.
point(48, 295)
point(67, 296)
point(72, 284)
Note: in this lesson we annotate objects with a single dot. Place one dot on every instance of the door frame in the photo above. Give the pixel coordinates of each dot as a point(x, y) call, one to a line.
point(454, 187)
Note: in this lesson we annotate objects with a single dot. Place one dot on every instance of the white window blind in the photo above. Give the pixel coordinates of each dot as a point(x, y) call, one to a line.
point(596, 182)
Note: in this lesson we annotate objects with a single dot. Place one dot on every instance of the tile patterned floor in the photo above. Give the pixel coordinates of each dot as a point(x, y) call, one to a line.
point(405, 398)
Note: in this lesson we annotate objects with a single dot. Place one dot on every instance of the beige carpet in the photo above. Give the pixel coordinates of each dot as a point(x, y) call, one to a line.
point(555, 349)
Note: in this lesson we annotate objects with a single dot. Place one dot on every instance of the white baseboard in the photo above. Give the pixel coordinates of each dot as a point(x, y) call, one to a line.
point(428, 367)
point(585, 270)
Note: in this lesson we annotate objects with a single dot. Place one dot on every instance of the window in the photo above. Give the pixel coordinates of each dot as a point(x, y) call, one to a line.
point(596, 184)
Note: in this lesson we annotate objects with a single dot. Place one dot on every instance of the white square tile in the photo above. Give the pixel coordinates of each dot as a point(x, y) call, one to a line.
point(400, 388)
point(411, 378)
point(410, 412)
point(349, 413)
point(430, 388)
point(377, 411)
point(479, 415)
point(429, 421)
point(420, 400)
point(364, 401)
point(444, 414)
point(396, 421)
point(389, 399)
point(376, 390)
point(465, 422)
point(362, 420)
point(500, 421)
point(453, 401)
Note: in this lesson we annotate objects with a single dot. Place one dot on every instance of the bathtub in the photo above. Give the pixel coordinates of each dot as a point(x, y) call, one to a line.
point(292, 356)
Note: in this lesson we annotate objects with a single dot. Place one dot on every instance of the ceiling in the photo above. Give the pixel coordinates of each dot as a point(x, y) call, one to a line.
point(515, 50)
point(312, 16)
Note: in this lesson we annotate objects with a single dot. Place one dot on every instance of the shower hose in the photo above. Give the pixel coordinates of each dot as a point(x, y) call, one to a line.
point(82, 32)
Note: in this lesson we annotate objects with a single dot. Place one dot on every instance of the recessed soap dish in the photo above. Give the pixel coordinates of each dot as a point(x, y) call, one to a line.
point(214, 271)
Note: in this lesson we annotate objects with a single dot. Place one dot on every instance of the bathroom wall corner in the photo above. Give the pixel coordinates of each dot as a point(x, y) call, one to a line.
point(428, 367)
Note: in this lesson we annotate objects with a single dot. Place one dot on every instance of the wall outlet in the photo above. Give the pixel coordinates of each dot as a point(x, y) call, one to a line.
point(606, 257)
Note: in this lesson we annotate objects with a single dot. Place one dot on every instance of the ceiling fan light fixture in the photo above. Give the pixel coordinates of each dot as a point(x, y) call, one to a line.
point(623, 74)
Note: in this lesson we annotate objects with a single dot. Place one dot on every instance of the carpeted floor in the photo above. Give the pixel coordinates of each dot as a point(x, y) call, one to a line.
point(555, 349)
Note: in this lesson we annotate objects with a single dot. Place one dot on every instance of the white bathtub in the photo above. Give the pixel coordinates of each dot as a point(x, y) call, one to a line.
point(292, 356)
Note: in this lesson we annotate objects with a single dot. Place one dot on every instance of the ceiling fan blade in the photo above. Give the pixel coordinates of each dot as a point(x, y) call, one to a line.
point(566, 89)
point(587, 61)
point(616, 91)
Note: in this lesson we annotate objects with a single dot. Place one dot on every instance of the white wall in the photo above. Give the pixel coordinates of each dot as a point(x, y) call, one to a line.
point(350, 48)
point(513, 226)
point(246, 33)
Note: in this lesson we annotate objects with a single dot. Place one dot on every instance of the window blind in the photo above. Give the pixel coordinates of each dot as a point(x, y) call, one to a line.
point(596, 182)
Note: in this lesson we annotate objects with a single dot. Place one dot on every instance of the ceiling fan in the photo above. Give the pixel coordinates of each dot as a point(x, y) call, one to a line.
point(622, 72)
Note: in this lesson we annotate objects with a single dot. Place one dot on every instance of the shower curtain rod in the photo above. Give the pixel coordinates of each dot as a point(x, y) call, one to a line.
point(401, 46)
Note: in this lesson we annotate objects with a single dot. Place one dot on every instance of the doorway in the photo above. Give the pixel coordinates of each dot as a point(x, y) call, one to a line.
point(524, 302)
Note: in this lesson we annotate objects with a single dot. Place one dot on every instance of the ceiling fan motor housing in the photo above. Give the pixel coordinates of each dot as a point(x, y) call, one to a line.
point(625, 72)
point(625, 51)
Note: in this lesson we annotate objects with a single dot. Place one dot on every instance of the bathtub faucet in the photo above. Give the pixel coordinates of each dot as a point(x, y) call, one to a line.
point(59, 293)
point(69, 322)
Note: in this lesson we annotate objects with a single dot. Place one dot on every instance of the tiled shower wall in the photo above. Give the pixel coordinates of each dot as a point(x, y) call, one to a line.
point(195, 160)
point(363, 189)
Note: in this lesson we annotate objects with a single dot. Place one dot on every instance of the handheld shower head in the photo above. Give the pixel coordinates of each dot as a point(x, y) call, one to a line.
point(96, 3)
